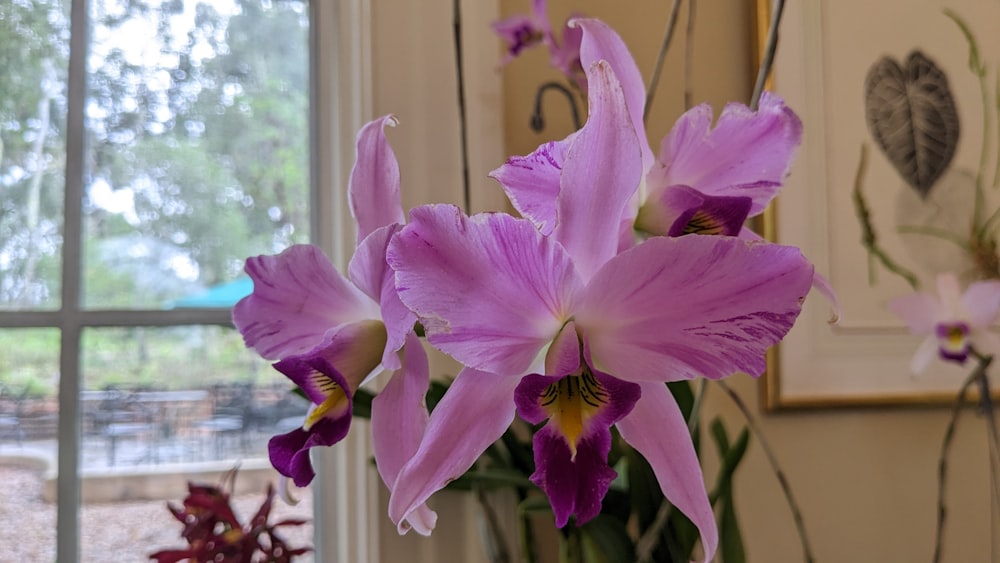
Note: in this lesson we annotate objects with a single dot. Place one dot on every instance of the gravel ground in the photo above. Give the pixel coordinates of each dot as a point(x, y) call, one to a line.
point(124, 532)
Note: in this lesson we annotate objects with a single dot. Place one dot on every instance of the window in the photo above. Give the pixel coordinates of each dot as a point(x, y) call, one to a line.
point(148, 147)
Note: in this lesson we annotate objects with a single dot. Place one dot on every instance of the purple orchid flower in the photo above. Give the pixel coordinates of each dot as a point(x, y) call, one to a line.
point(953, 322)
point(705, 179)
point(562, 328)
point(331, 332)
point(524, 31)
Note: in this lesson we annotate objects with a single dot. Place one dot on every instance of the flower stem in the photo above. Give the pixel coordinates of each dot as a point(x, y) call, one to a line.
point(689, 57)
point(778, 472)
point(868, 238)
point(949, 434)
point(654, 81)
point(538, 121)
point(462, 120)
point(768, 59)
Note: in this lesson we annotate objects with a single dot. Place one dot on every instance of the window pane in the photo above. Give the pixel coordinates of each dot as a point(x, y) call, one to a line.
point(198, 145)
point(28, 418)
point(34, 48)
point(162, 406)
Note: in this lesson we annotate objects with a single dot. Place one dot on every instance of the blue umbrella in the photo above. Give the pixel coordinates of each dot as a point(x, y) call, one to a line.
point(223, 295)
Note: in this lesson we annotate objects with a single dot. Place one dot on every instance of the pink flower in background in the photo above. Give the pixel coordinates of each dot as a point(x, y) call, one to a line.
point(564, 330)
point(953, 322)
point(331, 332)
point(524, 31)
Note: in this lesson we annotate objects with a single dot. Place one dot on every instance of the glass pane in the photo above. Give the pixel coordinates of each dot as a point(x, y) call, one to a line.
point(29, 376)
point(198, 147)
point(34, 48)
point(164, 406)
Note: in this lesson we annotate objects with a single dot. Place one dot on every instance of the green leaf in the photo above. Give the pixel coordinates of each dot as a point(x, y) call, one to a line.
point(684, 396)
point(534, 503)
point(731, 456)
point(644, 489)
point(363, 403)
point(606, 540)
point(730, 539)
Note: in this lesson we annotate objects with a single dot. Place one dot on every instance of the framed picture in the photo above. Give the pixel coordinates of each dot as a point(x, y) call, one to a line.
point(855, 72)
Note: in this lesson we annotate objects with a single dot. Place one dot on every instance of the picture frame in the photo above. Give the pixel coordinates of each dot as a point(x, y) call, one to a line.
point(825, 51)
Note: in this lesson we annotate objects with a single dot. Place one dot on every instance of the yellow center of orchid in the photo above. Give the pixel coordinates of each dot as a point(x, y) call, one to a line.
point(571, 402)
point(702, 223)
point(955, 338)
point(336, 403)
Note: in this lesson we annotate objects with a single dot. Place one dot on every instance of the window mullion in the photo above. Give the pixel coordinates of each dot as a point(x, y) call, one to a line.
point(68, 483)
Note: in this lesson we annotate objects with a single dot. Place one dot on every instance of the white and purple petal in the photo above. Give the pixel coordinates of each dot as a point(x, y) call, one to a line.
point(374, 192)
point(601, 42)
point(603, 168)
point(747, 153)
point(298, 296)
point(657, 429)
point(532, 182)
point(399, 419)
point(571, 450)
point(679, 308)
point(490, 290)
point(475, 412)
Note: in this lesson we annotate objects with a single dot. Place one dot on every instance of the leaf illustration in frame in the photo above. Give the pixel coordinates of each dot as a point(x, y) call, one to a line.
point(912, 116)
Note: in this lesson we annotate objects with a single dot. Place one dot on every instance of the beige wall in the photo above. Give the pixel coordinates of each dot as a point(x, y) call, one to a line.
point(865, 478)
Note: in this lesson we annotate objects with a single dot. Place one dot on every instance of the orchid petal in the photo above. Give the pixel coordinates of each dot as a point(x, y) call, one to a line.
point(289, 453)
point(571, 450)
point(298, 296)
point(354, 350)
point(820, 283)
point(678, 308)
point(981, 302)
point(566, 57)
point(681, 210)
point(576, 482)
point(601, 42)
point(370, 272)
point(926, 352)
point(490, 290)
point(747, 153)
point(532, 182)
point(920, 311)
point(399, 418)
point(475, 411)
point(602, 170)
point(367, 268)
point(326, 424)
point(563, 355)
point(373, 191)
point(657, 429)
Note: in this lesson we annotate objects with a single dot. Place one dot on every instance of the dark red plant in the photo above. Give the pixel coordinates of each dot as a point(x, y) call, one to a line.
point(214, 533)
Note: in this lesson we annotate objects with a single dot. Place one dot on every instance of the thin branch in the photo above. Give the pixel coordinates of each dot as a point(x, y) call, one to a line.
point(654, 81)
point(949, 433)
point(689, 56)
point(538, 121)
point(778, 472)
point(868, 238)
point(768, 59)
point(462, 120)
